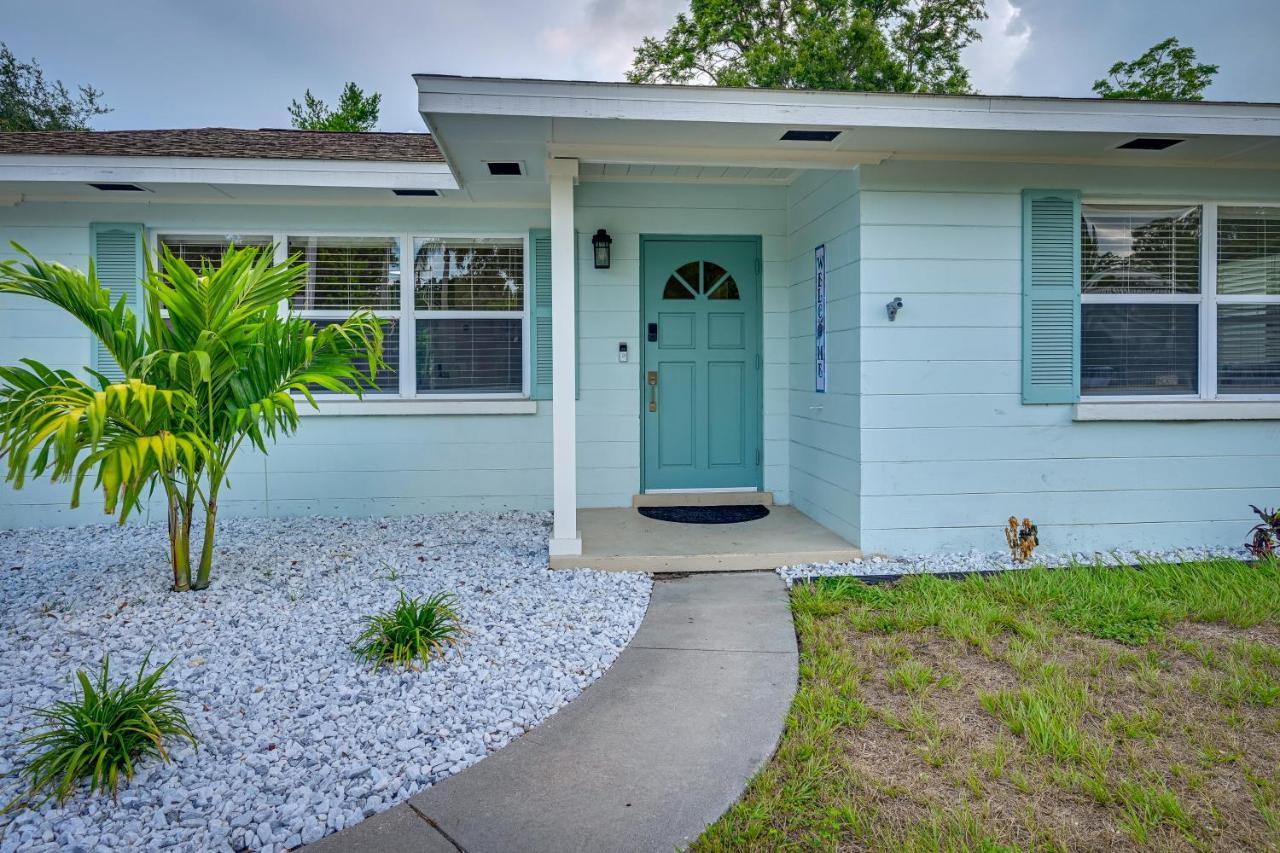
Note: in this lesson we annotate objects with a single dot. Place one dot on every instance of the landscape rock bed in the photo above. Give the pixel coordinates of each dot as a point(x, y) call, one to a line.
point(979, 561)
point(297, 738)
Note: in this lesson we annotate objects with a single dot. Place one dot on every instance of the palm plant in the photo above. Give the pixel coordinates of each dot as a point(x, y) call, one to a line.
point(213, 363)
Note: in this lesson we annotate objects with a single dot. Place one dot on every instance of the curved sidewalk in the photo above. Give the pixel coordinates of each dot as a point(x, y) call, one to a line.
point(645, 758)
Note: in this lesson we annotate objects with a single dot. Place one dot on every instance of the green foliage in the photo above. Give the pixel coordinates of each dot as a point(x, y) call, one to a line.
point(1166, 72)
point(355, 113)
point(414, 630)
point(1130, 605)
point(211, 365)
point(102, 734)
point(1147, 806)
point(859, 45)
point(29, 102)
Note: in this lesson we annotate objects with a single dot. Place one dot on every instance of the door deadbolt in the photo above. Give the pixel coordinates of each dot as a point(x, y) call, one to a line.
point(653, 390)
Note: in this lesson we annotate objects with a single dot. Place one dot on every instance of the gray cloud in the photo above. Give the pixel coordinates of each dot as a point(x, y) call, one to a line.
point(163, 63)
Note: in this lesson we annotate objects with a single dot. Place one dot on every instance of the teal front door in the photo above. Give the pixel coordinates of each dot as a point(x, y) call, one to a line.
point(700, 383)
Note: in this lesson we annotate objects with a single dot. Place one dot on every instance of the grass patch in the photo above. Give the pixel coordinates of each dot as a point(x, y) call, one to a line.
point(1090, 708)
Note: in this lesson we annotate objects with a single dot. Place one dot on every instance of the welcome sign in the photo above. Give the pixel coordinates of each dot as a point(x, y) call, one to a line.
point(820, 318)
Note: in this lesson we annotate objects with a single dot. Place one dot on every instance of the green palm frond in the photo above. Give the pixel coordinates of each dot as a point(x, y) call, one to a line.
point(80, 295)
point(126, 432)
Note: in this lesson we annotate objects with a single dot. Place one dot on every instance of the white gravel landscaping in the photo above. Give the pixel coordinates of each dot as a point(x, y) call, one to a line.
point(297, 738)
point(980, 561)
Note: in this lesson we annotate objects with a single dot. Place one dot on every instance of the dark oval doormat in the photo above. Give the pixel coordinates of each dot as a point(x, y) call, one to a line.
point(705, 514)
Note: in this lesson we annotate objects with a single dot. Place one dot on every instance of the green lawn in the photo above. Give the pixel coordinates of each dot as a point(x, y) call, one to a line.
point(1083, 709)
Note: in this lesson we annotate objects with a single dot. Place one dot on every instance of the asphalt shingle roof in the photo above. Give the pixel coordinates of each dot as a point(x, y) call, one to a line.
point(229, 142)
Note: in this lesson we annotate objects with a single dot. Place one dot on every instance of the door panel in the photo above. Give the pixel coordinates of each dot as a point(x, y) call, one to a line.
point(726, 414)
point(677, 393)
point(703, 430)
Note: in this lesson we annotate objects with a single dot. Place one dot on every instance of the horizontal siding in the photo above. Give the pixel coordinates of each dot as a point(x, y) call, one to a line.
point(333, 465)
point(822, 209)
point(609, 401)
point(949, 451)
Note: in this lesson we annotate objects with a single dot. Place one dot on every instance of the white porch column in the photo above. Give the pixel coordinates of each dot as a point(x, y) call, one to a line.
point(562, 174)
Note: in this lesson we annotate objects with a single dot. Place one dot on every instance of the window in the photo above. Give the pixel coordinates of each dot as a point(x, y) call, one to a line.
point(198, 249)
point(1179, 301)
point(1248, 304)
point(345, 274)
point(468, 316)
point(457, 328)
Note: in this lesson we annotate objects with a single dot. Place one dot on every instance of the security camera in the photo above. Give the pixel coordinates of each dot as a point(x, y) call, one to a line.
point(893, 307)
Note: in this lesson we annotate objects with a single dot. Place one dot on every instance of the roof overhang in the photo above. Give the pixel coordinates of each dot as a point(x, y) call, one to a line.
point(330, 174)
point(646, 102)
point(650, 132)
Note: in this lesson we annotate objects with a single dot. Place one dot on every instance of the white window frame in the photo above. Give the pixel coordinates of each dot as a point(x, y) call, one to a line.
point(415, 314)
point(406, 314)
point(1208, 300)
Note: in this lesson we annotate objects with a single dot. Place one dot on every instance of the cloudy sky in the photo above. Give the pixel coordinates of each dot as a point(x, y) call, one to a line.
point(238, 63)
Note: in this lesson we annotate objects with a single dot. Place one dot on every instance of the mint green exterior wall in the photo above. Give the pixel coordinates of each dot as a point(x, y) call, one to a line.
point(609, 302)
point(949, 451)
point(921, 442)
point(369, 465)
point(335, 465)
point(825, 442)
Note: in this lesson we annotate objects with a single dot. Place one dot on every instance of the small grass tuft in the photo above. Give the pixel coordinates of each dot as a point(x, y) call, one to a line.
point(912, 677)
point(101, 735)
point(415, 630)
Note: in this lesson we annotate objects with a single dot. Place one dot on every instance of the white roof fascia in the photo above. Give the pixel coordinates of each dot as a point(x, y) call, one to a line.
point(363, 174)
point(565, 99)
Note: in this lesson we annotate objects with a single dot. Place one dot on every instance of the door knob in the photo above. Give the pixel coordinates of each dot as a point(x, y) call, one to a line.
point(653, 390)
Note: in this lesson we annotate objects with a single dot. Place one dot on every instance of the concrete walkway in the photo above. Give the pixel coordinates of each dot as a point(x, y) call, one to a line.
point(645, 758)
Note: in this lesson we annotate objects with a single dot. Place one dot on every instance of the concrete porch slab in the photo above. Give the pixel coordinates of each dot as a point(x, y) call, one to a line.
point(624, 540)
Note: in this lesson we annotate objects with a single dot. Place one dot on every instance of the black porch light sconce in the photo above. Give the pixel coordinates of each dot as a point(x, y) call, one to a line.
point(600, 242)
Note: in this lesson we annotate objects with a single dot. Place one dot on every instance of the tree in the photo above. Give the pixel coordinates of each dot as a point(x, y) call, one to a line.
point(860, 45)
point(1166, 72)
point(211, 365)
point(356, 112)
point(29, 102)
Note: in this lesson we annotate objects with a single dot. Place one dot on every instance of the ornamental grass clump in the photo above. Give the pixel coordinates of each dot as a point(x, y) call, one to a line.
point(101, 735)
point(414, 630)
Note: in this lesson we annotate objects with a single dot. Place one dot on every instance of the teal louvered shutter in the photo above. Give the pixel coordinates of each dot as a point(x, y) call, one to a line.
point(540, 322)
point(116, 250)
point(1050, 296)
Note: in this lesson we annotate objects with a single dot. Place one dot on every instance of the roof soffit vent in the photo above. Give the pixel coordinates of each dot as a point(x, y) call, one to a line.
point(118, 188)
point(795, 135)
point(505, 168)
point(1148, 143)
point(423, 193)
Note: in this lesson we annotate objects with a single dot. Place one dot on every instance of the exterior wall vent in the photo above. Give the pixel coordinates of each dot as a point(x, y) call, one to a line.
point(505, 168)
point(810, 135)
point(1149, 143)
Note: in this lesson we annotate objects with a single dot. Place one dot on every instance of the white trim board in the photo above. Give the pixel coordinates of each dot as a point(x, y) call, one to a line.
point(444, 94)
point(1193, 410)
point(369, 406)
point(223, 170)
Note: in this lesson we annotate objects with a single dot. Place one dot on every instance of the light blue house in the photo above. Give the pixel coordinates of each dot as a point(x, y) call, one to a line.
point(1061, 309)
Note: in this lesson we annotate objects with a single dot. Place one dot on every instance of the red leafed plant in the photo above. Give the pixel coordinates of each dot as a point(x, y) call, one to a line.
point(1264, 537)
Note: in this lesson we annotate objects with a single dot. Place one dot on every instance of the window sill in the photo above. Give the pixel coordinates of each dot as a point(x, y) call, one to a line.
point(1191, 410)
point(417, 407)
